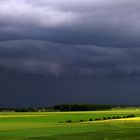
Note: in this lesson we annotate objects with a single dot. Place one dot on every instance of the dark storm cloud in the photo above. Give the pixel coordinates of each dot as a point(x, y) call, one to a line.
point(95, 22)
point(105, 64)
point(41, 57)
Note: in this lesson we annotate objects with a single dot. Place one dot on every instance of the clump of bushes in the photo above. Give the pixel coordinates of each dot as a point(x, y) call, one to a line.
point(106, 118)
point(130, 116)
point(69, 121)
point(115, 117)
point(90, 119)
point(97, 119)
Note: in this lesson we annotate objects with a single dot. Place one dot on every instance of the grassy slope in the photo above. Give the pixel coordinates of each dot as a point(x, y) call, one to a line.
point(47, 126)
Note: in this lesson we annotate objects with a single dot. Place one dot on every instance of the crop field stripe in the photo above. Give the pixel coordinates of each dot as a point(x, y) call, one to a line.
point(53, 126)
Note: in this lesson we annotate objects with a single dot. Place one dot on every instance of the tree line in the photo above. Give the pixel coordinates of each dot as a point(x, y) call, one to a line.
point(82, 107)
point(67, 107)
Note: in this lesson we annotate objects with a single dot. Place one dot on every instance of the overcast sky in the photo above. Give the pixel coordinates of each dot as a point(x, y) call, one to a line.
point(91, 47)
point(97, 22)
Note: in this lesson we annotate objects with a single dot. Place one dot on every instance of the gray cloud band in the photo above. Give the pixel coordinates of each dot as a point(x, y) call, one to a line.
point(114, 23)
point(41, 57)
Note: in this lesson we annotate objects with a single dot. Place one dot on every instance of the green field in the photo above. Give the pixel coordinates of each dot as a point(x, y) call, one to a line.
point(53, 126)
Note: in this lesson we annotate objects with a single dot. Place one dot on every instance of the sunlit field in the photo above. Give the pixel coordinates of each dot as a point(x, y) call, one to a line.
point(53, 125)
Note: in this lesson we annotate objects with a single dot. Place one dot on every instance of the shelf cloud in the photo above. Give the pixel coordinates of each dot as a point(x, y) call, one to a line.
point(105, 23)
point(47, 58)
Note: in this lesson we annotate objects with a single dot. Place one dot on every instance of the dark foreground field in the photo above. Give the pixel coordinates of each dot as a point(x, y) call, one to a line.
point(53, 126)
